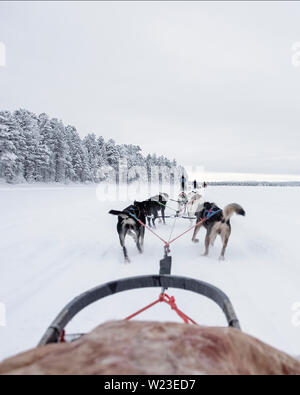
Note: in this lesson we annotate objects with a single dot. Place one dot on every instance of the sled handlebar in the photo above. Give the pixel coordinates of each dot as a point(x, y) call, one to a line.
point(53, 333)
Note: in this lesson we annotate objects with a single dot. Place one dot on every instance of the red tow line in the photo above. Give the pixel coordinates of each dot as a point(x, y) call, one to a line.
point(170, 300)
point(167, 243)
point(163, 297)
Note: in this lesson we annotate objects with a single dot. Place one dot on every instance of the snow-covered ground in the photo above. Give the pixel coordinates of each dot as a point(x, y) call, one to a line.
point(58, 241)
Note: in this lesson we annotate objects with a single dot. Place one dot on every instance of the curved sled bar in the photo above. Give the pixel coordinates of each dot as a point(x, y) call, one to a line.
point(53, 333)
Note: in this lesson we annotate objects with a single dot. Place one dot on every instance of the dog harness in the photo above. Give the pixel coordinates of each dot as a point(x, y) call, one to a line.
point(183, 196)
point(133, 211)
point(212, 211)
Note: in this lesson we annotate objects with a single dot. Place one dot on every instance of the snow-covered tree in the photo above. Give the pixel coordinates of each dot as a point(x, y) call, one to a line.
point(28, 123)
point(10, 166)
point(112, 154)
point(93, 152)
point(38, 148)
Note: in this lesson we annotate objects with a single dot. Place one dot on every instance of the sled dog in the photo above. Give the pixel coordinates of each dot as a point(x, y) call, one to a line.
point(195, 203)
point(154, 205)
point(217, 223)
point(128, 224)
point(182, 202)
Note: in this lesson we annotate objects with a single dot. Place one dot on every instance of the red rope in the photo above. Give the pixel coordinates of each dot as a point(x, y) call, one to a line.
point(192, 227)
point(147, 227)
point(166, 243)
point(143, 309)
point(170, 300)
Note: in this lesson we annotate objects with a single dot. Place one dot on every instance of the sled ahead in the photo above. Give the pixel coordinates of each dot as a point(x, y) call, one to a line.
point(56, 330)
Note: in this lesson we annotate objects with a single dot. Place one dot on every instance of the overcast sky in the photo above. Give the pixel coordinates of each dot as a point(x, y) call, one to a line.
point(210, 83)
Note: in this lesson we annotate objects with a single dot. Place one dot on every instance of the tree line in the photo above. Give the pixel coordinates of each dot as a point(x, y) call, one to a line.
point(37, 148)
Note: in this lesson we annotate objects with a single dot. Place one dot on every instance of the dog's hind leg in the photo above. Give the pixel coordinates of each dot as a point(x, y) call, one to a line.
point(197, 228)
point(163, 215)
point(225, 237)
point(138, 240)
point(153, 221)
point(122, 236)
point(149, 221)
point(142, 236)
point(156, 211)
point(207, 241)
point(213, 238)
point(155, 216)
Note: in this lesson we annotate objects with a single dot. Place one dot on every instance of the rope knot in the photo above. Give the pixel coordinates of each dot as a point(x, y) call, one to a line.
point(162, 297)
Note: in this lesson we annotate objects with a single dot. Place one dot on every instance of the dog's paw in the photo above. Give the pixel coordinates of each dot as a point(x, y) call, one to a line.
point(126, 260)
point(195, 240)
point(205, 254)
point(221, 258)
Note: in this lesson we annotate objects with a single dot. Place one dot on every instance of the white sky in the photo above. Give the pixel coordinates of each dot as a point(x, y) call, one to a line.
point(210, 83)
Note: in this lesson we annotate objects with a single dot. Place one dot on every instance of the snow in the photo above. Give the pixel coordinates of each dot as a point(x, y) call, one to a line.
point(58, 241)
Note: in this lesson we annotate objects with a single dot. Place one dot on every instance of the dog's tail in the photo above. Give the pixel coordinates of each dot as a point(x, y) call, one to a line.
point(119, 213)
point(232, 208)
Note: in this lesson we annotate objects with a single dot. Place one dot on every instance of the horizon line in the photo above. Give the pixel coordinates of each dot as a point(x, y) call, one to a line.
point(242, 177)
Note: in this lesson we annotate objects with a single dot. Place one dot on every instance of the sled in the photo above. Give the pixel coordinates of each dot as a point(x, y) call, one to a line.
point(55, 332)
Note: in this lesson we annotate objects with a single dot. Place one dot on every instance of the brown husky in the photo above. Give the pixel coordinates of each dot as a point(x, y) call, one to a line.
point(217, 223)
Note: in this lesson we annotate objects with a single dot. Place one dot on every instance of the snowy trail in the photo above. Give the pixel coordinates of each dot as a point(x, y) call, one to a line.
point(56, 242)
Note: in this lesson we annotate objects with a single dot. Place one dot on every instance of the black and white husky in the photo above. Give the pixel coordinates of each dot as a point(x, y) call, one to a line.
point(128, 224)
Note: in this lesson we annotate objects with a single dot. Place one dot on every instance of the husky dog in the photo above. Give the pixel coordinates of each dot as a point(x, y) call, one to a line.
point(195, 203)
point(128, 224)
point(182, 202)
point(217, 223)
point(154, 205)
